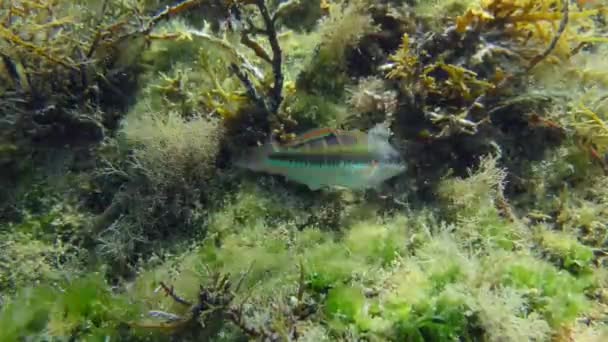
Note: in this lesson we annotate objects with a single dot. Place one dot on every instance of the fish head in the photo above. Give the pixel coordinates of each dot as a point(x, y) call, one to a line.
point(389, 161)
point(378, 142)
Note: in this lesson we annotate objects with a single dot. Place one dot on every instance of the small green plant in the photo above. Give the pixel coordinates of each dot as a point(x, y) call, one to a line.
point(169, 149)
point(171, 158)
point(344, 25)
point(567, 250)
point(342, 28)
point(26, 261)
point(557, 295)
point(83, 308)
point(506, 247)
point(503, 314)
point(438, 11)
point(478, 204)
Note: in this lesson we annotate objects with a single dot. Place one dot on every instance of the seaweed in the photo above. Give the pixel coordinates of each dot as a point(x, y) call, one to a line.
point(123, 217)
point(68, 71)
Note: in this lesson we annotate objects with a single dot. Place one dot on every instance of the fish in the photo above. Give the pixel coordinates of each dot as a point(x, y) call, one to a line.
point(330, 158)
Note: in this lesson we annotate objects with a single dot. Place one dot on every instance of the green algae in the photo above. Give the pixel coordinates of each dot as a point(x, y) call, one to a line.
point(485, 239)
point(84, 308)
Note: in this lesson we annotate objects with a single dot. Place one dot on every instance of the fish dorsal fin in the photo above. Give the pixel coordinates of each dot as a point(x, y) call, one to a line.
point(311, 135)
point(327, 140)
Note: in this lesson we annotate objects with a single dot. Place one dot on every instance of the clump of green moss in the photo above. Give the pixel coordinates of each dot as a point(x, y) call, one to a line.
point(342, 28)
point(478, 206)
point(303, 16)
point(346, 23)
point(566, 192)
point(345, 305)
point(168, 149)
point(437, 13)
point(567, 250)
point(422, 298)
point(399, 278)
point(404, 277)
point(502, 313)
point(475, 264)
point(264, 227)
point(45, 237)
point(557, 295)
point(26, 261)
point(480, 189)
point(84, 308)
point(189, 72)
point(315, 110)
point(171, 159)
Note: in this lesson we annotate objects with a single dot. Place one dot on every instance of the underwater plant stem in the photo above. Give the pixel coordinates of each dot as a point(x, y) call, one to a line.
point(259, 51)
point(562, 27)
point(275, 95)
point(251, 92)
point(15, 39)
point(170, 11)
point(236, 317)
point(169, 291)
point(97, 38)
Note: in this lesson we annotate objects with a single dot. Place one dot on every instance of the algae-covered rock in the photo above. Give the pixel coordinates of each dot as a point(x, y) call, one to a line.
point(122, 216)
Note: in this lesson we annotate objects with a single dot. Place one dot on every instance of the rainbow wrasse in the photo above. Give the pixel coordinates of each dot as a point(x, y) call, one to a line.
point(330, 158)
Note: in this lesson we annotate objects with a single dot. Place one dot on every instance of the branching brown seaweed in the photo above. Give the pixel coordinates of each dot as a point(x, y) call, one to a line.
point(270, 32)
point(216, 302)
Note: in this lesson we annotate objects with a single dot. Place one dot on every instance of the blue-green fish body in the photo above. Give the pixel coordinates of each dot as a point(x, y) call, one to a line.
point(330, 158)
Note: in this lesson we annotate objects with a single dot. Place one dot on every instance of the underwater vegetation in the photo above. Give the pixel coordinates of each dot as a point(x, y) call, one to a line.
point(231, 170)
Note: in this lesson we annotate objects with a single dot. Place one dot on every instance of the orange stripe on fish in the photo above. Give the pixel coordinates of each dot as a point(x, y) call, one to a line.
point(318, 133)
point(314, 134)
point(326, 140)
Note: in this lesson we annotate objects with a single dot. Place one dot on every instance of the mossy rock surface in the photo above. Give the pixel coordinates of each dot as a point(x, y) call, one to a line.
point(123, 216)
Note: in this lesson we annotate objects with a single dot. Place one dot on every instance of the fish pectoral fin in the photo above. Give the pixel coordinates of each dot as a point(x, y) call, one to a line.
point(372, 169)
point(314, 186)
